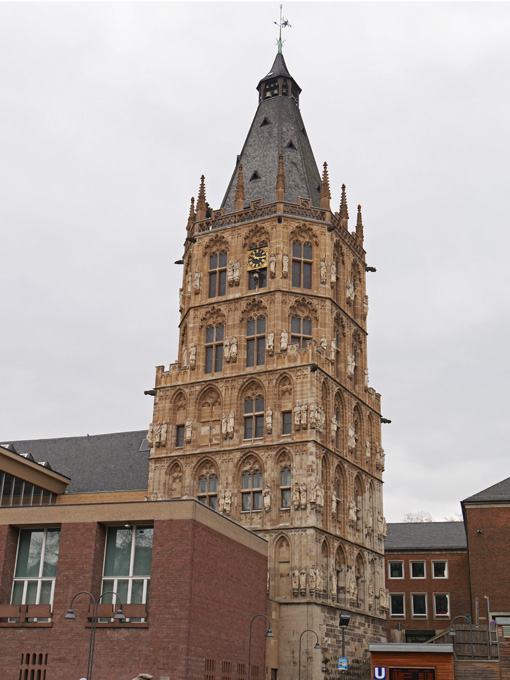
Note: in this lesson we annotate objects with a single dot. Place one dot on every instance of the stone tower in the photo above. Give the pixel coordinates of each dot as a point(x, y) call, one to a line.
point(267, 416)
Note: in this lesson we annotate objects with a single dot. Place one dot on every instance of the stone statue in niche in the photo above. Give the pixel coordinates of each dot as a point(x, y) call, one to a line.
point(231, 425)
point(324, 344)
point(380, 458)
point(333, 350)
point(350, 365)
point(352, 512)
point(188, 430)
point(192, 356)
point(188, 287)
point(313, 416)
point(332, 274)
point(226, 350)
point(185, 357)
point(285, 265)
point(233, 349)
point(295, 580)
point(312, 579)
point(157, 435)
point(304, 416)
point(351, 438)
point(224, 424)
point(321, 418)
point(230, 273)
point(284, 341)
point(320, 580)
point(365, 305)
point(228, 502)
point(221, 501)
point(302, 581)
point(196, 282)
point(324, 271)
point(269, 421)
point(320, 496)
point(272, 265)
point(237, 272)
point(384, 598)
point(368, 450)
point(334, 584)
point(150, 435)
point(350, 293)
point(296, 496)
point(353, 588)
point(365, 374)
point(297, 416)
point(181, 299)
point(302, 495)
point(334, 501)
point(313, 493)
point(334, 427)
point(270, 343)
point(266, 498)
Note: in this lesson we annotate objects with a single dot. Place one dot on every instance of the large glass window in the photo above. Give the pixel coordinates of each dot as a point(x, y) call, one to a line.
point(397, 605)
point(36, 566)
point(208, 490)
point(217, 274)
point(396, 569)
point(251, 490)
point(214, 348)
point(440, 569)
point(419, 604)
point(418, 569)
point(301, 265)
point(254, 417)
point(285, 483)
point(127, 564)
point(300, 330)
point(441, 604)
point(286, 422)
point(256, 342)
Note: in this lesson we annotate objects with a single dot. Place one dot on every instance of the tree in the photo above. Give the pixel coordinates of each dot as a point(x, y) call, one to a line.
point(420, 516)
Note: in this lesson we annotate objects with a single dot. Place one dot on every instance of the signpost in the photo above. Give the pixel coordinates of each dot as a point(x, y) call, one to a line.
point(343, 664)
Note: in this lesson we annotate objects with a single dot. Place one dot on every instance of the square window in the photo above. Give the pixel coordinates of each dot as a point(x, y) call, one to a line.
point(287, 422)
point(419, 604)
point(397, 605)
point(417, 569)
point(441, 604)
point(396, 569)
point(440, 569)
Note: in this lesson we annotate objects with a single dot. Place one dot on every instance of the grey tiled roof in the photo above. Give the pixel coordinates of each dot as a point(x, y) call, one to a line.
point(260, 155)
point(101, 462)
point(497, 492)
point(426, 536)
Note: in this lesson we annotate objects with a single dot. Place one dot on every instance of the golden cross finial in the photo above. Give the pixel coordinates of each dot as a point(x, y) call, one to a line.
point(283, 23)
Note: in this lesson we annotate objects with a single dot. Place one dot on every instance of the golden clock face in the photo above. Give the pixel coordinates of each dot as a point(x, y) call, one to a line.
point(257, 259)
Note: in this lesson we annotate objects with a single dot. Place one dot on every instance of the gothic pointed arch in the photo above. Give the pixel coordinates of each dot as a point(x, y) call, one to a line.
point(256, 236)
point(212, 316)
point(360, 575)
point(173, 480)
point(282, 561)
point(205, 482)
point(302, 307)
point(255, 308)
point(304, 232)
point(209, 415)
point(250, 475)
point(215, 243)
point(338, 590)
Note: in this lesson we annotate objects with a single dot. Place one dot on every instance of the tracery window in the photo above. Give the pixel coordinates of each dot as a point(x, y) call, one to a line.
point(300, 330)
point(208, 490)
point(285, 487)
point(214, 348)
point(256, 342)
point(217, 274)
point(301, 265)
point(251, 490)
point(254, 417)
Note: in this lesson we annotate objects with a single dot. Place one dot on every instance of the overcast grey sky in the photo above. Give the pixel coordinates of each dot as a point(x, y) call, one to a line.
point(109, 114)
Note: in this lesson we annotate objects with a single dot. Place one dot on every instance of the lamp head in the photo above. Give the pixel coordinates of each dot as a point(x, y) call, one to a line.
point(120, 614)
point(317, 645)
point(70, 614)
point(269, 633)
point(345, 617)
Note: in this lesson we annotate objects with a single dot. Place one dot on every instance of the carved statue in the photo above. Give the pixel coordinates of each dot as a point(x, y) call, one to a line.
point(333, 350)
point(380, 458)
point(334, 501)
point(224, 424)
point(368, 450)
point(324, 271)
point(196, 282)
point(185, 357)
point(334, 427)
point(226, 350)
point(312, 579)
point(285, 265)
point(320, 496)
point(266, 498)
point(353, 588)
point(228, 501)
point(192, 356)
point(302, 495)
point(320, 579)
point(157, 435)
point(295, 580)
point(321, 418)
point(164, 431)
point(221, 501)
point(150, 435)
point(231, 425)
point(188, 428)
point(181, 299)
point(365, 305)
point(352, 512)
point(272, 265)
point(351, 438)
point(269, 421)
point(302, 581)
point(233, 349)
point(350, 291)
point(237, 272)
point(324, 344)
point(384, 598)
point(313, 416)
point(270, 343)
point(334, 584)
point(350, 365)
point(332, 274)
point(297, 416)
point(365, 374)
point(304, 415)
point(296, 496)
point(284, 341)
point(230, 273)
point(313, 493)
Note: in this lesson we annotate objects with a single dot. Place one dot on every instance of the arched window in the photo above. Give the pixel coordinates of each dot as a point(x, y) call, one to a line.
point(214, 348)
point(254, 417)
point(285, 486)
point(301, 265)
point(256, 342)
point(300, 330)
point(217, 274)
point(208, 490)
point(251, 490)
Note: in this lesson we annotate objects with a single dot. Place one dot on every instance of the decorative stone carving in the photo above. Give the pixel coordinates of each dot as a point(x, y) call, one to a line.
point(384, 598)
point(188, 285)
point(350, 293)
point(181, 299)
point(150, 435)
point(221, 501)
point(224, 425)
point(304, 416)
point(285, 265)
point(320, 496)
point(302, 495)
point(365, 306)
point(334, 501)
point(284, 341)
point(188, 430)
point(351, 438)
point(313, 416)
point(324, 271)
point(321, 419)
point(227, 503)
point(380, 458)
point(233, 349)
point(192, 357)
point(332, 274)
point(269, 421)
point(353, 588)
point(295, 580)
point(302, 581)
point(351, 364)
point(312, 579)
point(324, 344)
point(197, 280)
point(230, 273)
point(272, 265)
point(296, 496)
point(226, 350)
point(365, 375)
point(231, 425)
point(352, 512)
point(368, 450)
point(313, 493)
point(297, 416)
point(320, 580)
point(266, 498)
point(237, 272)
point(270, 343)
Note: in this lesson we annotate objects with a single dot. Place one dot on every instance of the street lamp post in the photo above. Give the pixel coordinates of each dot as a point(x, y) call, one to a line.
point(345, 617)
point(95, 604)
point(269, 634)
point(468, 619)
point(316, 646)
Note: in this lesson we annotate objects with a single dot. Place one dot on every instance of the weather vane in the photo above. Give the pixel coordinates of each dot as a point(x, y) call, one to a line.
point(283, 23)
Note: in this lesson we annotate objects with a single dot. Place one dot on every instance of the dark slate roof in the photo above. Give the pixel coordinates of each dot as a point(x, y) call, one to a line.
point(425, 536)
point(101, 462)
point(496, 493)
point(279, 68)
point(260, 155)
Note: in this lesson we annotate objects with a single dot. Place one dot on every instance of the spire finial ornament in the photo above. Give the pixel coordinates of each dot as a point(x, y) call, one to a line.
point(240, 190)
point(280, 180)
point(325, 193)
point(201, 204)
point(344, 213)
point(359, 224)
point(191, 216)
point(283, 23)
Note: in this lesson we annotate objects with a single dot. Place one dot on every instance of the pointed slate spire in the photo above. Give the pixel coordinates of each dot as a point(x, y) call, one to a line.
point(191, 216)
point(359, 224)
point(325, 194)
point(344, 213)
point(280, 180)
point(201, 204)
point(240, 189)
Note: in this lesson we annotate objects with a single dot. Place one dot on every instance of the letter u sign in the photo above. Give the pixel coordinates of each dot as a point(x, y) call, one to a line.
point(379, 673)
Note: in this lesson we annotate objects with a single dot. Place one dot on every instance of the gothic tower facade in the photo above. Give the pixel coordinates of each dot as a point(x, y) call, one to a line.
point(267, 416)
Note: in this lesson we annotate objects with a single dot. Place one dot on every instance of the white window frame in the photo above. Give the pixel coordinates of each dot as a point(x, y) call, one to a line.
point(39, 579)
point(413, 613)
point(411, 562)
point(390, 562)
point(445, 562)
point(441, 616)
point(398, 616)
